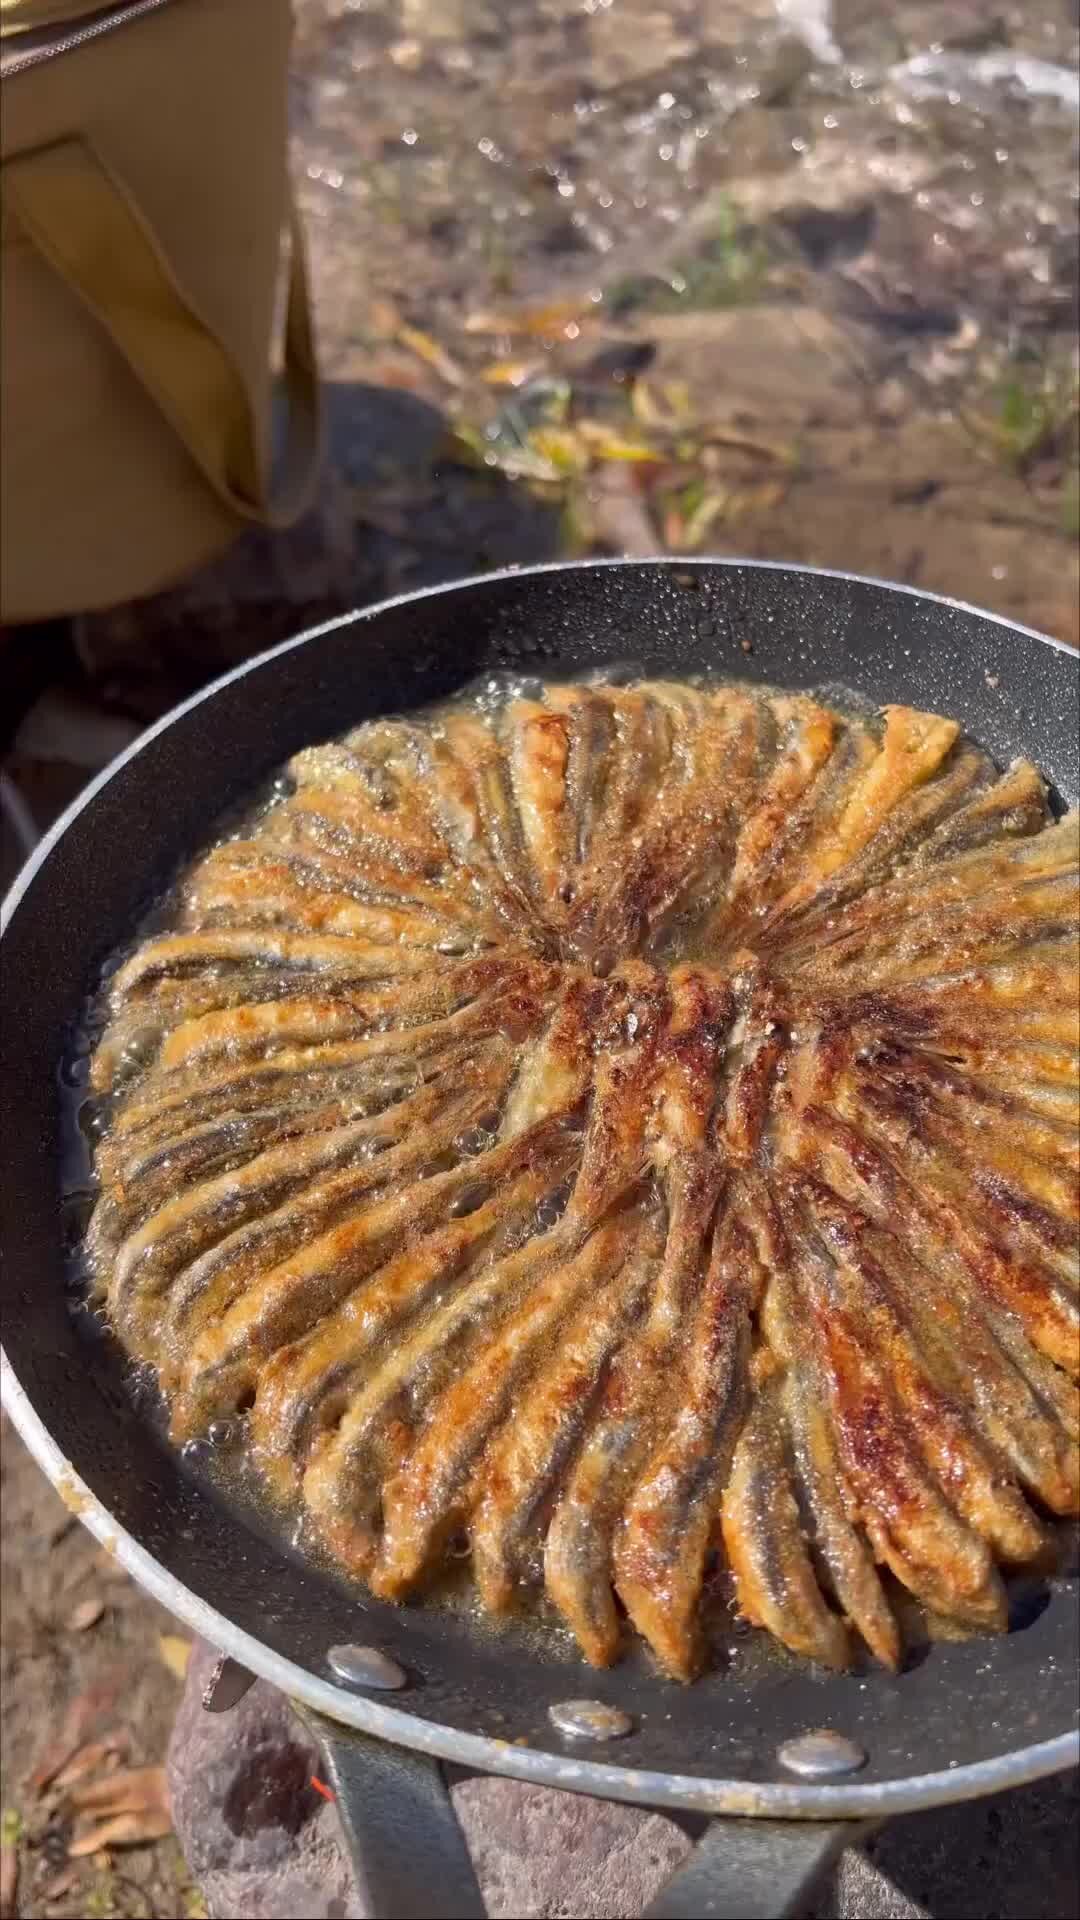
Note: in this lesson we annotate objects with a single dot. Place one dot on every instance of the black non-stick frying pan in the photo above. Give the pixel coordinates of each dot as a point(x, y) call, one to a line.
point(966, 1719)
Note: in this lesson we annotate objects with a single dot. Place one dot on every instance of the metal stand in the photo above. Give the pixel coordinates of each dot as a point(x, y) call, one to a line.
point(412, 1862)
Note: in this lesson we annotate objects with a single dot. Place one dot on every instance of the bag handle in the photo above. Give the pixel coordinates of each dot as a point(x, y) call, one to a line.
point(84, 222)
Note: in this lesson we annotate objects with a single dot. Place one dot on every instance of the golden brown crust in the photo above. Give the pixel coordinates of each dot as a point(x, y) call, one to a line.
point(626, 1127)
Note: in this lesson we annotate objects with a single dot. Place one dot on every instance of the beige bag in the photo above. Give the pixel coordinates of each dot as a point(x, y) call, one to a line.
point(143, 195)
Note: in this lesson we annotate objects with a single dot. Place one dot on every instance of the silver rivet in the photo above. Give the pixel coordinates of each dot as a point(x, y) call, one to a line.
point(589, 1720)
point(227, 1685)
point(820, 1754)
point(366, 1667)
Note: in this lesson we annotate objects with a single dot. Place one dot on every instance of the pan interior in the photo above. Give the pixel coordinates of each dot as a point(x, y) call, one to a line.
point(955, 1704)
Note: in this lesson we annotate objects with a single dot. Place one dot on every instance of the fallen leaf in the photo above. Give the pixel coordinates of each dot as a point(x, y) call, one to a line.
point(784, 454)
point(435, 356)
point(134, 1808)
point(78, 1720)
point(485, 322)
point(134, 1790)
point(123, 1830)
point(561, 447)
point(9, 1880)
point(709, 509)
point(677, 395)
point(756, 499)
point(561, 317)
point(644, 407)
point(510, 373)
point(176, 1652)
point(11, 1829)
point(10, 1836)
point(86, 1614)
point(91, 1758)
point(605, 444)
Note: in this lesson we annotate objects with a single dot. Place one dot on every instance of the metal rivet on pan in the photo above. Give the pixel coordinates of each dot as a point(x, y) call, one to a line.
point(366, 1667)
point(818, 1755)
point(589, 1720)
point(227, 1685)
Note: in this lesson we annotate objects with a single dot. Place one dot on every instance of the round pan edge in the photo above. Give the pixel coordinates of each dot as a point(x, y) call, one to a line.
point(747, 1799)
point(718, 1796)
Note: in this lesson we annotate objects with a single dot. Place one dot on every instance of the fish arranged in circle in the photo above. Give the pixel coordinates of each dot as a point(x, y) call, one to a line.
point(627, 1137)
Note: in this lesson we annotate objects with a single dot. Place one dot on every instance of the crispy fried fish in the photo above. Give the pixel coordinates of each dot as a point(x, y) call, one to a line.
point(626, 1136)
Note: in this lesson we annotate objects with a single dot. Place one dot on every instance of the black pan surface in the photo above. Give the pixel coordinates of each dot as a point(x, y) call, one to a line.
point(955, 1706)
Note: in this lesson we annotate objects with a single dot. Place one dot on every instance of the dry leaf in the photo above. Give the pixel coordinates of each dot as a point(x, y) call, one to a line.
point(760, 499)
point(134, 1805)
point(124, 1830)
point(91, 1758)
point(677, 395)
point(605, 444)
point(80, 1717)
point(176, 1652)
point(562, 317)
point(86, 1614)
point(564, 452)
point(9, 1880)
point(11, 1828)
point(644, 407)
point(430, 351)
point(134, 1790)
point(510, 373)
point(710, 508)
point(782, 453)
point(484, 322)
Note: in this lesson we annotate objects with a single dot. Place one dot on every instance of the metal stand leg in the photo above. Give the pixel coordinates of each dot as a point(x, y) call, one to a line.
point(403, 1835)
point(754, 1869)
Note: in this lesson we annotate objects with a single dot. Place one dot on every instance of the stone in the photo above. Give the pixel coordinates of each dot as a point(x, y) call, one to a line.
point(264, 1845)
point(257, 1836)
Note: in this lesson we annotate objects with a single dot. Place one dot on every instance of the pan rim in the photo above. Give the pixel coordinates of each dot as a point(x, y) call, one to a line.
point(741, 1798)
point(772, 1799)
point(676, 563)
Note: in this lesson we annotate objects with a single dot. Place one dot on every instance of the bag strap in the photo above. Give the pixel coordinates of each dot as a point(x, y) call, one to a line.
point(84, 222)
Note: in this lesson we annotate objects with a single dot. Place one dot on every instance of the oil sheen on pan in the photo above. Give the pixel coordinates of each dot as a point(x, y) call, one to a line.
point(625, 1136)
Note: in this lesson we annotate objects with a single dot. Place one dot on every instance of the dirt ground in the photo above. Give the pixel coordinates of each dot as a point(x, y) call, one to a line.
point(790, 281)
point(82, 1673)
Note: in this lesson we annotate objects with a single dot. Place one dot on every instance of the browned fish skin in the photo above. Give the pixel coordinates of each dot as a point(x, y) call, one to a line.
point(609, 1128)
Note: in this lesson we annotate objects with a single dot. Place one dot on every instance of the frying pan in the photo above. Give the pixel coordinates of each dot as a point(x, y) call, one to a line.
point(963, 1720)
